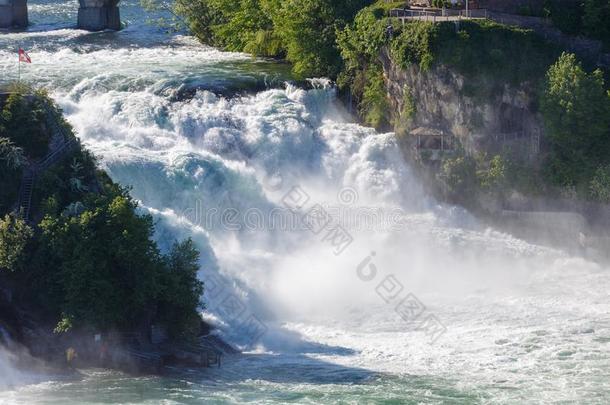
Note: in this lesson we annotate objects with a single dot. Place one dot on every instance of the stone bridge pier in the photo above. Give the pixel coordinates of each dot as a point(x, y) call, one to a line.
point(97, 15)
point(13, 13)
point(93, 15)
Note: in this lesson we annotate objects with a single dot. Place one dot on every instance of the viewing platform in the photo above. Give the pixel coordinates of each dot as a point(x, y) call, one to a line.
point(437, 15)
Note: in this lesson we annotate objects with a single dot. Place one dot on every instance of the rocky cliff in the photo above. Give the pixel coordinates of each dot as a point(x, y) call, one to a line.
point(487, 116)
point(482, 115)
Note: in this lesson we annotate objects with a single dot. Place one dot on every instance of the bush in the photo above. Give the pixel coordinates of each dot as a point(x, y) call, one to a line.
point(15, 235)
point(68, 181)
point(494, 177)
point(599, 188)
point(101, 267)
point(23, 121)
point(596, 20)
point(416, 45)
point(360, 44)
point(566, 15)
point(459, 177)
point(588, 17)
point(374, 107)
point(441, 3)
point(486, 49)
point(11, 156)
point(11, 160)
point(181, 290)
point(409, 108)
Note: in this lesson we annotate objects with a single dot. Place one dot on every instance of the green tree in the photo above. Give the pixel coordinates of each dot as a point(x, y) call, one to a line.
point(307, 29)
point(303, 31)
point(105, 264)
point(181, 290)
point(11, 155)
point(566, 15)
point(599, 188)
point(375, 105)
point(459, 177)
point(23, 121)
point(360, 44)
point(576, 109)
point(596, 20)
point(494, 177)
point(15, 235)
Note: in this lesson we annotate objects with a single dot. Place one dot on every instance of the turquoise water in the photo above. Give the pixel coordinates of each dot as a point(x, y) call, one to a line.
point(197, 132)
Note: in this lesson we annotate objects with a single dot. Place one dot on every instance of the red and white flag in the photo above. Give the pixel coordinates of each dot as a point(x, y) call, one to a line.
point(24, 57)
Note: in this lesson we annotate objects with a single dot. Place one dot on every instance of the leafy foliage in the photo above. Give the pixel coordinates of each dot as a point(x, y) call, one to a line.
point(599, 187)
point(478, 49)
point(415, 45)
point(470, 180)
point(576, 110)
point(360, 45)
point(458, 175)
point(374, 106)
point(22, 120)
point(409, 108)
point(587, 17)
point(303, 31)
point(11, 156)
point(566, 15)
point(12, 159)
point(15, 235)
point(181, 289)
point(106, 263)
point(99, 266)
point(596, 20)
point(493, 178)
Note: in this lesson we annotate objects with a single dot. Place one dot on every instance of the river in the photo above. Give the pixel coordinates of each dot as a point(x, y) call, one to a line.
point(385, 297)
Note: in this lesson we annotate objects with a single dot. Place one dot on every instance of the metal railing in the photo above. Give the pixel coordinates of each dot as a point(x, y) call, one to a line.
point(54, 156)
point(26, 188)
point(437, 15)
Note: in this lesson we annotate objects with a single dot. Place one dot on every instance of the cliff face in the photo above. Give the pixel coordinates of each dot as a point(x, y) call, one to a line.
point(481, 115)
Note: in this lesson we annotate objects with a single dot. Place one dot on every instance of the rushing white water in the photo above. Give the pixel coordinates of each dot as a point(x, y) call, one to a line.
point(524, 323)
point(9, 357)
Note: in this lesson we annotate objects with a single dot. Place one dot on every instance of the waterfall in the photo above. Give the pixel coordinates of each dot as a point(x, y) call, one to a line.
point(246, 176)
point(9, 375)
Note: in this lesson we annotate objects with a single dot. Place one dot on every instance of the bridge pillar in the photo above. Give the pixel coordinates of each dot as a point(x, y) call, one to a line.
point(13, 13)
point(97, 15)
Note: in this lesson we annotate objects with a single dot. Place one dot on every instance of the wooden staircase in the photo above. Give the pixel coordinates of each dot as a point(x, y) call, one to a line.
point(61, 144)
point(24, 203)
